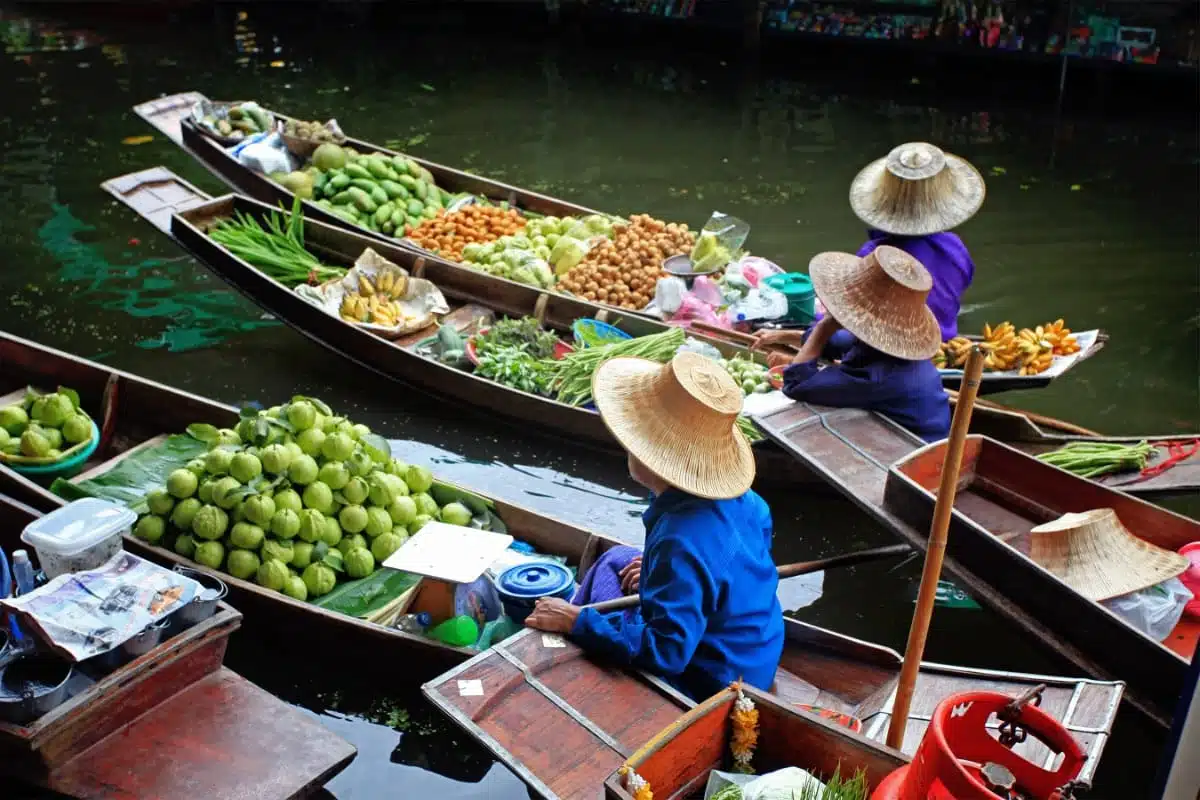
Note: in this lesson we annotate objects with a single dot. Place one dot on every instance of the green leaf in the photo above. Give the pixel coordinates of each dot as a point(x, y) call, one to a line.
point(318, 404)
point(72, 394)
point(133, 477)
point(262, 429)
point(247, 412)
point(242, 492)
point(333, 560)
point(364, 596)
point(377, 448)
point(319, 551)
point(340, 499)
point(281, 423)
point(483, 511)
point(31, 394)
point(204, 432)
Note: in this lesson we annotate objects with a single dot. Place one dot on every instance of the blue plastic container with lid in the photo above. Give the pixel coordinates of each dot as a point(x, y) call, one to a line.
point(521, 586)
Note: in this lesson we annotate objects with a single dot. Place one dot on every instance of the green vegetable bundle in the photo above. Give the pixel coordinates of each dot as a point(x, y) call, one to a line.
point(525, 334)
point(277, 250)
point(1093, 459)
point(572, 375)
point(513, 366)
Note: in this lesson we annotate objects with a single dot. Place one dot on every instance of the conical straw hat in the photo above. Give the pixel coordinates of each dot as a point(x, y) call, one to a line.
point(1094, 555)
point(680, 420)
point(917, 190)
point(880, 298)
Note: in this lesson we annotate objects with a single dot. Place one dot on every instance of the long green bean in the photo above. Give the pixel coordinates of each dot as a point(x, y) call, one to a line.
point(572, 375)
point(1093, 459)
point(276, 250)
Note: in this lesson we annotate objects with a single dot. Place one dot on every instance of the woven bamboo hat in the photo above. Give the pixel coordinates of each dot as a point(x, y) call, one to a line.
point(1094, 555)
point(880, 298)
point(680, 420)
point(917, 190)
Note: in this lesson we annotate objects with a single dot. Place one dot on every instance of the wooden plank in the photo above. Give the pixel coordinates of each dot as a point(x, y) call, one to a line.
point(156, 194)
point(222, 738)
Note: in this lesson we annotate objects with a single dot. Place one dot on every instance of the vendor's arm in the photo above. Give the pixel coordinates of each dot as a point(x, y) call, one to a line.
point(836, 385)
point(664, 637)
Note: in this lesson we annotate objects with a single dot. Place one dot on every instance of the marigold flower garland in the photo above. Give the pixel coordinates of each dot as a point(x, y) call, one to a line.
point(745, 733)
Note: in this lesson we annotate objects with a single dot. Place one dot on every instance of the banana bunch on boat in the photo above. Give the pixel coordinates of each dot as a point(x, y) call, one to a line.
point(375, 302)
point(1029, 351)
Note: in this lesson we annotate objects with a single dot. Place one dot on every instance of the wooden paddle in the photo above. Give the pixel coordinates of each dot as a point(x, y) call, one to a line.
point(936, 551)
point(788, 570)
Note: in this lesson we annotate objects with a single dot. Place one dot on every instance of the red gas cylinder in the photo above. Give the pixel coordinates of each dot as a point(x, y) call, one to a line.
point(958, 758)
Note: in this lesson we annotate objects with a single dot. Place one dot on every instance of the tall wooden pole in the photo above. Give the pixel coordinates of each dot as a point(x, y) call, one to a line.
point(936, 551)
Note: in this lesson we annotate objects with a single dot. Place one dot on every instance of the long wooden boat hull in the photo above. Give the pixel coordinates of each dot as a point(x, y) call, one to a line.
point(170, 724)
point(1003, 494)
point(177, 207)
point(142, 411)
point(678, 760)
point(564, 722)
point(853, 451)
point(171, 116)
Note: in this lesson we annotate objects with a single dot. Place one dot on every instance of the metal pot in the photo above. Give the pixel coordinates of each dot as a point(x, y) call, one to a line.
point(21, 703)
point(203, 605)
point(144, 642)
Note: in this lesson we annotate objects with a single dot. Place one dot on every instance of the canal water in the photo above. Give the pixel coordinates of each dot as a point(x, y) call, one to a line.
point(1092, 220)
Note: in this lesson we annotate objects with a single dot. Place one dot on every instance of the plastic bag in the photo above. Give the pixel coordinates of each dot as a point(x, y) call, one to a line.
point(693, 308)
point(265, 153)
point(1155, 611)
point(754, 269)
point(718, 242)
point(762, 303)
point(703, 348)
point(669, 294)
point(421, 301)
point(705, 289)
point(782, 784)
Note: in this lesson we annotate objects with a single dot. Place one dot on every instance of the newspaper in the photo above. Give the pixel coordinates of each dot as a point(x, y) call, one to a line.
point(84, 614)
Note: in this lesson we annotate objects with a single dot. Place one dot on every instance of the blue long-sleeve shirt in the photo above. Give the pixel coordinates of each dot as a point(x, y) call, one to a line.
point(709, 614)
point(909, 392)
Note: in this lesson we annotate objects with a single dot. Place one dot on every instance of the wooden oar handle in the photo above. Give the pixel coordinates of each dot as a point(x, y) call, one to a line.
point(787, 571)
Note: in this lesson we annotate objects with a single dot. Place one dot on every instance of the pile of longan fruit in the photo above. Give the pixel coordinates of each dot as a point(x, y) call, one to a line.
point(623, 271)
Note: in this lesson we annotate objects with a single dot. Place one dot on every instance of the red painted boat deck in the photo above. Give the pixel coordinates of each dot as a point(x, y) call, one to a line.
point(222, 738)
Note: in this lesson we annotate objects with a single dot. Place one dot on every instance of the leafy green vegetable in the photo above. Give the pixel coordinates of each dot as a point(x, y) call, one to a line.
point(364, 596)
point(131, 478)
point(525, 334)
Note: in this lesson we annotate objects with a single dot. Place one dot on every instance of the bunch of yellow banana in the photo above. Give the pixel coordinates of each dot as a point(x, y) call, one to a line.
point(1029, 351)
point(953, 353)
point(376, 302)
point(1059, 336)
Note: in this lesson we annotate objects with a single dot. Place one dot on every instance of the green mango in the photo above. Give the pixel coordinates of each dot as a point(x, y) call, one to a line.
point(358, 171)
point(379, 195)
point(378, 167)
point(400, 165)
point(362, 201)
point(399, 218)
point(415, 207)
point(319, 182)
point(367, 186)
point(421, 190)
point(395, 190)
point(408, 181)
point(384, 213)
point(340, 181)
point(387, 227)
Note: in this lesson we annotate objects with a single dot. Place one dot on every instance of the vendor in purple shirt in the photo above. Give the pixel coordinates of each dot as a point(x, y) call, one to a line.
point(911, 199)
point(880, 299)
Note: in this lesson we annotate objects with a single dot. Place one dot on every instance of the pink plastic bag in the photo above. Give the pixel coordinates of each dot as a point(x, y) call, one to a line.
point(754, 269)
point(695, 309)
point(706, 290)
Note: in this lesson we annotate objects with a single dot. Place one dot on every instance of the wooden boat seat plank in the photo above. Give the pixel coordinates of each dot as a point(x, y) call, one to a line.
point(220, 738)
point(167, 113)
point(156, 194)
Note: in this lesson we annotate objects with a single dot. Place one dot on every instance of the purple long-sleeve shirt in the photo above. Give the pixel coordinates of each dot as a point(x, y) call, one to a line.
point(948, 262)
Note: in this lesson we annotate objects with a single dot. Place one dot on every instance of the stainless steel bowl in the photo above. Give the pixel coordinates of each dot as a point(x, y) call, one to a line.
point(21, 703)
point(203, 605)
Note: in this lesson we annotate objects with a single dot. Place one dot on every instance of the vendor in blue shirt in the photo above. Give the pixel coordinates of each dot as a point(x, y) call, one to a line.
point(708, 615)
point(879, 298)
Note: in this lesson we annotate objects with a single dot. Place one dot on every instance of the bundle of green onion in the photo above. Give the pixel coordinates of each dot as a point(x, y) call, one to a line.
point(1092, 459)
point(277, 250)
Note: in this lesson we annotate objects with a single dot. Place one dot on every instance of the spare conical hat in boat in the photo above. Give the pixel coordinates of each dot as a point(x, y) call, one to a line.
point(680, 420)
point(1095, 555)
point(917, 189)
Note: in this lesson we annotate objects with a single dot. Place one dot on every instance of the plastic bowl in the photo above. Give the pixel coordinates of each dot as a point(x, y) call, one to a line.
point(561, 348)
point(775, 376)
point(65, 468)
point(597, 329)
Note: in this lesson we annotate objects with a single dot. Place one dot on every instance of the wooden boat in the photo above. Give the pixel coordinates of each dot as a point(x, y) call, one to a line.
point(172, 116)
point(1003, 493)
point(564, 723)
point(678, 761)
point(172, 723)
point(139, 413)
point(177, 207)
point(853, 451)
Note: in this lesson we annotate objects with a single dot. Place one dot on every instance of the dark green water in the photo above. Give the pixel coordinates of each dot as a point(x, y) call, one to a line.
point(1090, 220)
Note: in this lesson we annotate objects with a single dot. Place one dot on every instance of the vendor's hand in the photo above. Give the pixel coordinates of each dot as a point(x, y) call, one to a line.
point(778, 359)
point(631, 576)
point(828, 323)
point(767, 339)
point(553, 615)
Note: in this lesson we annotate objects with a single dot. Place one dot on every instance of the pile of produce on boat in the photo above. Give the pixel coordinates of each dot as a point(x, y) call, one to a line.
point(1093, 459)
point(44, 428)
point(295, 498)
point(234, 122)
point(623, 271)
point(385, 194)
point(448, 234)
point(320, 132)
point(516, 353)
point(546, 247)
point(1029, 351)
point(750, 375)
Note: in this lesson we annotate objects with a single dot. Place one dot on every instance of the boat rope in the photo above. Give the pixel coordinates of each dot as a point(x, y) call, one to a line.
point(1177, 452)
point(566, 707)
point(820, 415)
